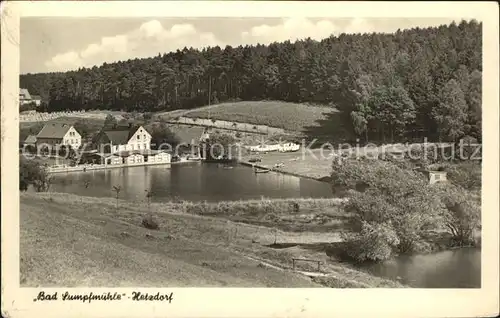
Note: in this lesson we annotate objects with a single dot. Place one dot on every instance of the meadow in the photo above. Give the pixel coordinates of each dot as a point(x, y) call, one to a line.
point(288, 116)
point(82, 241)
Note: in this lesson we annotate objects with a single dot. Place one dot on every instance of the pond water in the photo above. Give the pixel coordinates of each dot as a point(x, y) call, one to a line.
point(190, 181)
point(458, 268)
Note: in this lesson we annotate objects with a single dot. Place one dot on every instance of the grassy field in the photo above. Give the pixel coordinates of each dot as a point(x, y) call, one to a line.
point(68, 240)
point(289, 116)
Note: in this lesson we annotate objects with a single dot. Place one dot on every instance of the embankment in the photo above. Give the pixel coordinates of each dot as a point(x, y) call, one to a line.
point(84, 241)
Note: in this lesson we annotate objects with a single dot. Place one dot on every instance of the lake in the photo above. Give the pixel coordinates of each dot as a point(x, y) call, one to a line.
point(197, 181)
point(458, 268)
point(190, 181)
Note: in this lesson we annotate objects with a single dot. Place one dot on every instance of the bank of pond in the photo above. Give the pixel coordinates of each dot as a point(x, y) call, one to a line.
point(211, 183)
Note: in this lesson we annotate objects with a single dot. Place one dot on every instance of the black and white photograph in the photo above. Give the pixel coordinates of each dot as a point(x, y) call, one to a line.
point(289, 151)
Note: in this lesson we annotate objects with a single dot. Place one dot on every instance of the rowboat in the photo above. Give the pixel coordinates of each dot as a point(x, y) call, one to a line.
point(262, 170)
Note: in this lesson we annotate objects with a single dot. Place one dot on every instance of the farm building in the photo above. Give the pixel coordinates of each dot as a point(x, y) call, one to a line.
point(57, 134)
point(126, 138)
point(161, 157)
point(30, 141)
point(114, 160)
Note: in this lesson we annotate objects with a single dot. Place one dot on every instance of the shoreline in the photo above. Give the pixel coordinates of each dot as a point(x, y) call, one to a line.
point(260, 166)
point(84, 168)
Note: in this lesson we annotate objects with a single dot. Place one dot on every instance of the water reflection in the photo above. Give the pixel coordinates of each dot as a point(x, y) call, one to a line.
point(191, 181)
point(460, 268)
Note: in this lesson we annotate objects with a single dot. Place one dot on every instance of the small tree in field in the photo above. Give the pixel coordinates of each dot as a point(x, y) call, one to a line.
point(117, 190)
point(149, 195)
point(148, 221)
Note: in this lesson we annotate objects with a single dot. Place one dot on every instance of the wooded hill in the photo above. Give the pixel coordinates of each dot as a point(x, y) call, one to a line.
point(424, 81)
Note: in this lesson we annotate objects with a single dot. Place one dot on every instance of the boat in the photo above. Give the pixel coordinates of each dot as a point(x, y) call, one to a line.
point(262, 170)
point(193, 158)
point(226, 161)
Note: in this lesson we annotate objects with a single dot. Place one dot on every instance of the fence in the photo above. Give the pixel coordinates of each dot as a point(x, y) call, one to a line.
point(228, 125)
point(36, 117)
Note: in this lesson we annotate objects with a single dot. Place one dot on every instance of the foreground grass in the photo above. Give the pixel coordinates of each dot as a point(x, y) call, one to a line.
point(289, 116)
point(67, 240)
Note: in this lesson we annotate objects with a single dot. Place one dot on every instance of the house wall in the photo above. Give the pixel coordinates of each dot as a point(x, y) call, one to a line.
point(116, 160)
point(135, 159)
point(435, 177)
point(161, 157)
point(49, 142)
point(72, 138)
point(141, 140)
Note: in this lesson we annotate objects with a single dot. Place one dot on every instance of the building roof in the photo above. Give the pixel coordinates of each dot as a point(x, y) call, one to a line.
point(30, 139)
point(25, 93)
point(187, 134)
point(118, 137)
point(54, 130)
point(37, 97)
point(121, 134)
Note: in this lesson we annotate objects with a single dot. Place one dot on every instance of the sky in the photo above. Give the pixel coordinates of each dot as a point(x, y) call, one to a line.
point(62, 44)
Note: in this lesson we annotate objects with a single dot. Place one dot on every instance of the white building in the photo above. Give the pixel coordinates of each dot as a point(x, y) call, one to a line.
point(134, 158)
point(124, 139)
point(289, 147)
point(57, 134)
point(161, 157)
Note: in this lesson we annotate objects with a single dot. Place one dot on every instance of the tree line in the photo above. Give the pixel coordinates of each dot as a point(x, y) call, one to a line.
point(423, 81)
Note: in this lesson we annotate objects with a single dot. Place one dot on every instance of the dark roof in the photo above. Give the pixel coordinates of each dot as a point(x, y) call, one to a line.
point(187, 134)
point(54, 130)
point(30, 139)
point(120, 135)
point(37, 97)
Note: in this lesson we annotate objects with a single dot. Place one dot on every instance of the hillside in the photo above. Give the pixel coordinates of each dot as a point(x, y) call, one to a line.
point(288, 116)
point(75, 241)
point(388, 87)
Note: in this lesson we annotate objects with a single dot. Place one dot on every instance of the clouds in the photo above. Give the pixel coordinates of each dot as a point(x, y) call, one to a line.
point(148, 39)
point(290, 29)
point(152, 37)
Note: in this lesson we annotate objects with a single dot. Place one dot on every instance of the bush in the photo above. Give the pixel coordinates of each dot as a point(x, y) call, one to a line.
point(32, 173)
point(375, 242)
point(462, 216)
point(391, 196)
point(467, 174)
point(149, 223)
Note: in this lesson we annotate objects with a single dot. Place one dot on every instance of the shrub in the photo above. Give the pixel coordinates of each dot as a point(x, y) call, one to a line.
point(375, 242)
point(462, 215)
point(397, 198)
point(149, 223)
point(466, 175)
point(32, 173)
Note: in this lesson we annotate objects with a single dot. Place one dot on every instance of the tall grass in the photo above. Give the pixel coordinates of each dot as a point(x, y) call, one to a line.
point(258, 207)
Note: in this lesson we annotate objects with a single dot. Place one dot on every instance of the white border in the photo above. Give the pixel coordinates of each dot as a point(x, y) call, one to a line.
point(255, 302)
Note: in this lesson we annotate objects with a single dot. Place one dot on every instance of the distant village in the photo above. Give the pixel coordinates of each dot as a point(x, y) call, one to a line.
point(121, 145)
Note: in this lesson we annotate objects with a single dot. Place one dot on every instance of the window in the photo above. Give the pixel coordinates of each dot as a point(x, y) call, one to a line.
point(145, 146)
point(139, 146)
point(138, 137)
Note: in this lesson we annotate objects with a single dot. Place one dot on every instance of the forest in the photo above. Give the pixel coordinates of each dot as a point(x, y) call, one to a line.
point(424, 81)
